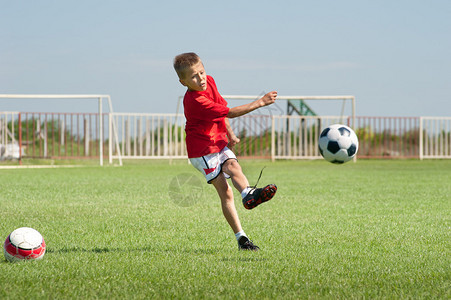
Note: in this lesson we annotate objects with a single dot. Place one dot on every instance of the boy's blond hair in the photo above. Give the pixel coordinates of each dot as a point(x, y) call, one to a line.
point(184, 61)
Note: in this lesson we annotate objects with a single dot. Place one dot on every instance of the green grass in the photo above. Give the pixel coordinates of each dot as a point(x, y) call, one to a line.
point(374, 229)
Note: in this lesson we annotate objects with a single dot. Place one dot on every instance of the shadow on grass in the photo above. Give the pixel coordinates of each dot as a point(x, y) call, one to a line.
point(243, 259)
point(93, 250)
point(105, 250)
point(100, 250)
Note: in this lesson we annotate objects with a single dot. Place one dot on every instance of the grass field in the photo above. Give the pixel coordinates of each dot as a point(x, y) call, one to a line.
point(373, 229)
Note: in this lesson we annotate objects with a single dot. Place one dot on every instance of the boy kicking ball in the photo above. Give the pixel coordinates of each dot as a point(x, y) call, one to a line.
point(208, 133)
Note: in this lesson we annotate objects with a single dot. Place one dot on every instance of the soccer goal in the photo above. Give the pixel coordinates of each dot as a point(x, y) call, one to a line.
point(49, 135)
point(289, 128)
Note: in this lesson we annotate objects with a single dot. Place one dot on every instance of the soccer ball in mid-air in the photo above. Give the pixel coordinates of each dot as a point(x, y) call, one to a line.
point(338, 143)
point(24, 244)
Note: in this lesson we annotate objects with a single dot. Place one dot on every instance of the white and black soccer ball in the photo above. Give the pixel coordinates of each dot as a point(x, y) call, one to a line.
point(24, 244)
point(338, 143)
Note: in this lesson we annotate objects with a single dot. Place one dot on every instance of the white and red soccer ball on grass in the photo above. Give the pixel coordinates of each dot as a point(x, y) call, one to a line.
point(24, 244)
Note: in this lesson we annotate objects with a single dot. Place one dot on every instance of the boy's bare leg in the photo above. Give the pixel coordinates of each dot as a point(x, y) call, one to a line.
point(252, 197)
point(225, 193)
point(233, 168)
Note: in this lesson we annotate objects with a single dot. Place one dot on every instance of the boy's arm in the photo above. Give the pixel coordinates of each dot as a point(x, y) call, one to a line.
point(233, 139)
point(267, 99)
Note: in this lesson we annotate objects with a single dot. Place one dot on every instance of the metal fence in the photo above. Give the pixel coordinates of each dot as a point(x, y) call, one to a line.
point(435, 137)
point(53, 135)
point(148, 136)
point(254, 132)
point(296, 137)
point(161, 136)
point(388, 137)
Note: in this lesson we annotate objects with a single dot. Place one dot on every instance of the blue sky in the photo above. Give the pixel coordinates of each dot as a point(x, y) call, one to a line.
point(394, 56)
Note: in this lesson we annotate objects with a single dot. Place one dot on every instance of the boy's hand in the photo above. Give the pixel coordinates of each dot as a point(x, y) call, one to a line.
point(233, 140)
point(269, 98)
point(238, 111)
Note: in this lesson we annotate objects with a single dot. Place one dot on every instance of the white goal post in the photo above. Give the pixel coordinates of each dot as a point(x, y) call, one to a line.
point(99, 98)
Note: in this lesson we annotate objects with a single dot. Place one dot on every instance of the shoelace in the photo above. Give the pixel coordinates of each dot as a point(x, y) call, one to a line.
point(261, 172)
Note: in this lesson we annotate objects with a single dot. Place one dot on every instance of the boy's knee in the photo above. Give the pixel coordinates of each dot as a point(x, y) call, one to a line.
point(232, 166)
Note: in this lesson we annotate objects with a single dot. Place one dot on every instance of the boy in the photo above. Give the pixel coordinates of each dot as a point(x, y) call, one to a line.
point(208, 133)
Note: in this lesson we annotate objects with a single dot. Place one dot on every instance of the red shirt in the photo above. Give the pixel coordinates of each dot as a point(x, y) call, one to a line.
point(205, 114)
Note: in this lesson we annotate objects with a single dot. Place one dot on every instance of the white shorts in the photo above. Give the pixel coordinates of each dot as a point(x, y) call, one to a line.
point(211, 165)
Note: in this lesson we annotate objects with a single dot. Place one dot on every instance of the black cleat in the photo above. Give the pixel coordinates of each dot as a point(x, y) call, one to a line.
point(258, 196)
point(244, 243)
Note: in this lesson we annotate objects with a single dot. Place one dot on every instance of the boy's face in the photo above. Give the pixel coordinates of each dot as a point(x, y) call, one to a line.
point(195, 78)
